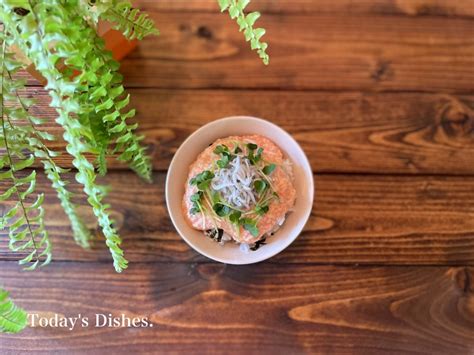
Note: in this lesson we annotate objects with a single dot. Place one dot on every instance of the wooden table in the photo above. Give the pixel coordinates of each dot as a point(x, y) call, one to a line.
point(380, 95)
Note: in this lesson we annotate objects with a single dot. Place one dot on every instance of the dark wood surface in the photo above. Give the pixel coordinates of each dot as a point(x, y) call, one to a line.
point(271, 308)
point(356, 219)
point(410, 133)
point(351, 7)
point(380, 95)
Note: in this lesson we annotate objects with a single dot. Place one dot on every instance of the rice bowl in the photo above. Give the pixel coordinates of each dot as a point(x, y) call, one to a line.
point(294, 163)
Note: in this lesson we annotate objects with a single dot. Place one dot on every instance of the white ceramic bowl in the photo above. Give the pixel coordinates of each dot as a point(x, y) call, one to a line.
point(230, 253)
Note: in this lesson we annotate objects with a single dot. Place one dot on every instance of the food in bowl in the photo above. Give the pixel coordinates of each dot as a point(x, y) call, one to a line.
point(240, 188)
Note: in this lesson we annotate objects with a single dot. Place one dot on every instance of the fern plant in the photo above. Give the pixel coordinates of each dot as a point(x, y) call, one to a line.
point(92, 108)
point(246, 22)
point(12, 318)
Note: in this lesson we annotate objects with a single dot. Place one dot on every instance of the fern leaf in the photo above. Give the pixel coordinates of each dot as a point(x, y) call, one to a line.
point(236, 8)
point(108, 116)
point(101, 136)
point(36, 145)
point(133, 23)
point(13, 319)
point(25, 223)
point(36, 40)
point(81, 233)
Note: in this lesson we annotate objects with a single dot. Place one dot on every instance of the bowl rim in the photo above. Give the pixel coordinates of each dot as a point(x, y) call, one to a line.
point(305, 216)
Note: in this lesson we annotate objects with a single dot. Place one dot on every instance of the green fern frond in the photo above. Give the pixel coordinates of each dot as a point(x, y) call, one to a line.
point(101, 136)
point(81, 233)
point(37, 147)
point(246, 23)
point(13, 319)
point(132, 22)
point(108, 114)
point(36, 39)
point(24, 221)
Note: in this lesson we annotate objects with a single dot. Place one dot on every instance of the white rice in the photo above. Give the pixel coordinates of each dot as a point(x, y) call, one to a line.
point(244, 248)
point(225, 238)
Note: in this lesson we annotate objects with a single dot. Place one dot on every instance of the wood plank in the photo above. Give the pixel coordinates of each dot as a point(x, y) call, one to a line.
point(323, 52)
point(316, 51)
point(262, 308)
point(380, 7)
point(340, 132)
point(355, 220)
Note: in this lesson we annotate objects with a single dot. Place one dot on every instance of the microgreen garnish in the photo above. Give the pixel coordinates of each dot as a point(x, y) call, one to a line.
point(203, 185)
point(195, 209)
point(258, 156)
point(252, 156)
point(260, 186)
point(268, 169)
point(215, 197)
point(225, 155)
point(221, 209)
point(237, 150)
point(223, 162)
point(196, 197)
point(250, 226)
point(261, 210)
point(221, 149)
point(196, 200)
point(252, 146)
point(201, 177)
point(234, 217)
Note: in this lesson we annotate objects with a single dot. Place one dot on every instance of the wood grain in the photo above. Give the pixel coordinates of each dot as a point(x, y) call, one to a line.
point(341, 132)
point(324, 52)
point(379, 7)
point(249, 309)
point(308, 52)
point(355, 219)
